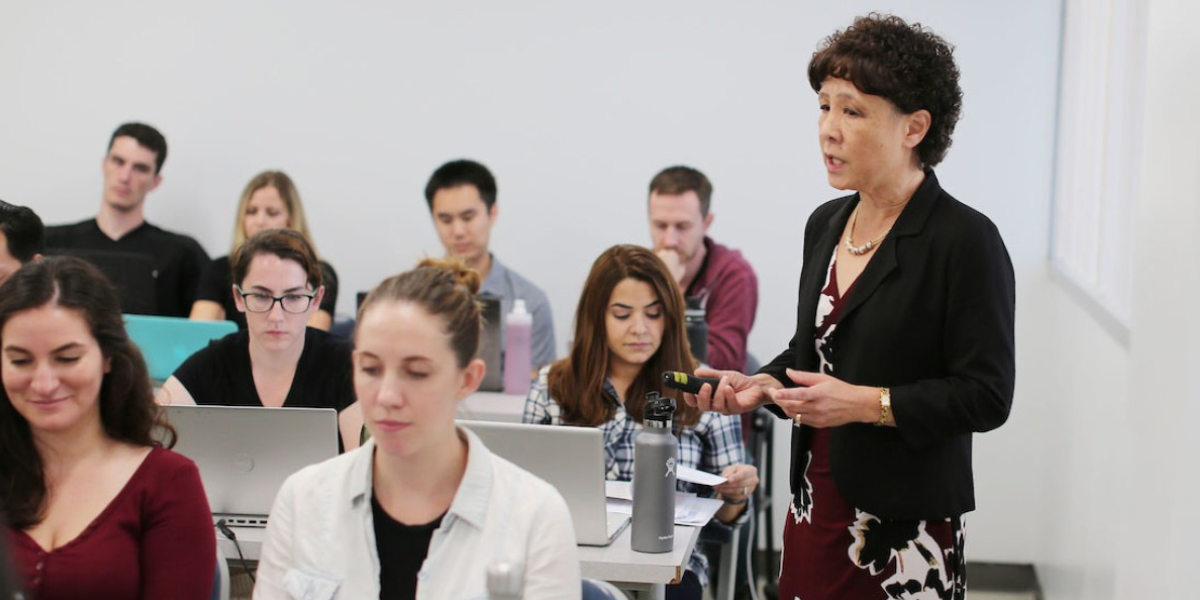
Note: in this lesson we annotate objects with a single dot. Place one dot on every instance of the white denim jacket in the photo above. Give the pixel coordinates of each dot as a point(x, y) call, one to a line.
point(320, 539)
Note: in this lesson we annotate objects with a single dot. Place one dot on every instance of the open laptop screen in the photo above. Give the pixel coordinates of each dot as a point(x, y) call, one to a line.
point(245, 453)
point(490, 345)
point(166, 342)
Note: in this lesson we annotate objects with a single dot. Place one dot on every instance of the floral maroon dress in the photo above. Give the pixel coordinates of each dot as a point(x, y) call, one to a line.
point(834, 551)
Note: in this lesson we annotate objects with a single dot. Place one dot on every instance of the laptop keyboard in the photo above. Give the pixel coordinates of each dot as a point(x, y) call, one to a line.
point(243, 520)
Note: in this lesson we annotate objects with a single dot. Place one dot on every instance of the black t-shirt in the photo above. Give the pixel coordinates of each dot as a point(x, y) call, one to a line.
point(221, 374)
point(178, 261)
point(402, 549)
point(217, 283)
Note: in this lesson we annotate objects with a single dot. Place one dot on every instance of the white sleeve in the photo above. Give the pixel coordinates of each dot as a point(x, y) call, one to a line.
point(552, 562)
point(276, 557)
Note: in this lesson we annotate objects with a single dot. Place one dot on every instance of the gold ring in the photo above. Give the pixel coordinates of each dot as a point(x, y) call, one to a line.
point(798, 420)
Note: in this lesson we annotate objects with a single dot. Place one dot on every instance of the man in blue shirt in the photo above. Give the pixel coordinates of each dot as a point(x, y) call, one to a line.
point(462, 199)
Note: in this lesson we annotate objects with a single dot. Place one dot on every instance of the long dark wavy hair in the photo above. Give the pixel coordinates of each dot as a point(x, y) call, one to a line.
point(577, 381)
point(127, 410)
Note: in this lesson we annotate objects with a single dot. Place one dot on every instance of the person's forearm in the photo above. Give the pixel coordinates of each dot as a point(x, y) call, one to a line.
point(729, 513)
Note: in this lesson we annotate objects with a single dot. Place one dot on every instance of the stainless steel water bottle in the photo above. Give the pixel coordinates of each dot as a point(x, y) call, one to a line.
point(655, 453)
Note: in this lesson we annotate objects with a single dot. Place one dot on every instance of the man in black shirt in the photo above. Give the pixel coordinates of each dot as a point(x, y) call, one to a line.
point(155, 270)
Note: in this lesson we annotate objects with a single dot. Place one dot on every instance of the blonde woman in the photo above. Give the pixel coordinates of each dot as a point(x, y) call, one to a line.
point(270, 201)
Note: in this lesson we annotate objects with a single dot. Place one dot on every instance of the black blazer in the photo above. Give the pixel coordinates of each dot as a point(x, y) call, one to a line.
point(931, 317)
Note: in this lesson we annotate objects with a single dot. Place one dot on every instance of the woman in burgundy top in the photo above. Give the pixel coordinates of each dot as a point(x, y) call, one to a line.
point(904, 340)
point(97, 507)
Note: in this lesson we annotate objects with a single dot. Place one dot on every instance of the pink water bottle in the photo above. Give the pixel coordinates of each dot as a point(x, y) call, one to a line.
point(518, 340)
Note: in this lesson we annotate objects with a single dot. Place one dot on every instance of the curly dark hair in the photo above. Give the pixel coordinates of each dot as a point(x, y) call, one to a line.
point(909, 65)
point(127, 409)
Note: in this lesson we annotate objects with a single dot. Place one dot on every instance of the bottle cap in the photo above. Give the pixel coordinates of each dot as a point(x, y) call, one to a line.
point(504, 580)
point(658, 408)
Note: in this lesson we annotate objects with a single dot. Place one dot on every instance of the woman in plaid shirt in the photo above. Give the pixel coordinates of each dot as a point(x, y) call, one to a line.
point(628, 330)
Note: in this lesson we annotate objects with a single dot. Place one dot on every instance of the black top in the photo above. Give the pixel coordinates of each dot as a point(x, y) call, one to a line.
point(931, 317)
point(402, 549)
point(216, 285)
point(177, 260)
point(220, 373)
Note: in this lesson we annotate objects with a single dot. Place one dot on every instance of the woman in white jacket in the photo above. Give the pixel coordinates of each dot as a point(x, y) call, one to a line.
point(423, 509)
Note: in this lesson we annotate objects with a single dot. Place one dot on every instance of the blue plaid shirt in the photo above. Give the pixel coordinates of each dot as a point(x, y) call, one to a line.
point(711, 445)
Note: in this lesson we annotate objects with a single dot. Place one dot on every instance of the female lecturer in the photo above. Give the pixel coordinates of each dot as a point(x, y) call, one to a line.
point(904, 337)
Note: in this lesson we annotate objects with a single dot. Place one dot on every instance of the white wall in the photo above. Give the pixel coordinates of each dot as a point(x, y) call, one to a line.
point(1157, 554)
point(1077, 376)
point(573, 107)
point(1118, 477)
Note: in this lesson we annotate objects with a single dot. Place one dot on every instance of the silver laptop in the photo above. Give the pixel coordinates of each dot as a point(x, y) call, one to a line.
point(490, 344)
point(569, 458)
point(244, 453)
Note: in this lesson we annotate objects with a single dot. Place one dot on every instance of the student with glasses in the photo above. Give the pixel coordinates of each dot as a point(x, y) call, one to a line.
point(277, 360)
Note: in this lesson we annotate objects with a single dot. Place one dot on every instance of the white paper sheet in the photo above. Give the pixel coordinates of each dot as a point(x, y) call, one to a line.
point(691, 475)
point(694, 510)
point(689, 508)
point(619, 489)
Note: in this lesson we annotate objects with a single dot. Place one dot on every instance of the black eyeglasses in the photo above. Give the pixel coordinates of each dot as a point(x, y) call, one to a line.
point(261, 303)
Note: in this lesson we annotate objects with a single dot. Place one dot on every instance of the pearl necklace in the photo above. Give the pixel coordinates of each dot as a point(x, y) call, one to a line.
point(867, 247)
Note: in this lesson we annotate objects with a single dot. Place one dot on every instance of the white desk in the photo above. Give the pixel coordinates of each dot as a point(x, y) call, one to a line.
point(646, 575)
point(491, 406)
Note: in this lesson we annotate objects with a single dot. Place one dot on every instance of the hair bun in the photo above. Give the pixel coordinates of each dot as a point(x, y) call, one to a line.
point(457, 268)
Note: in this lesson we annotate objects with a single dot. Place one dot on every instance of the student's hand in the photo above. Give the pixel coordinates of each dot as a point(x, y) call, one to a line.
point(674, 265)
point(735, 394)
point(742, 481)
